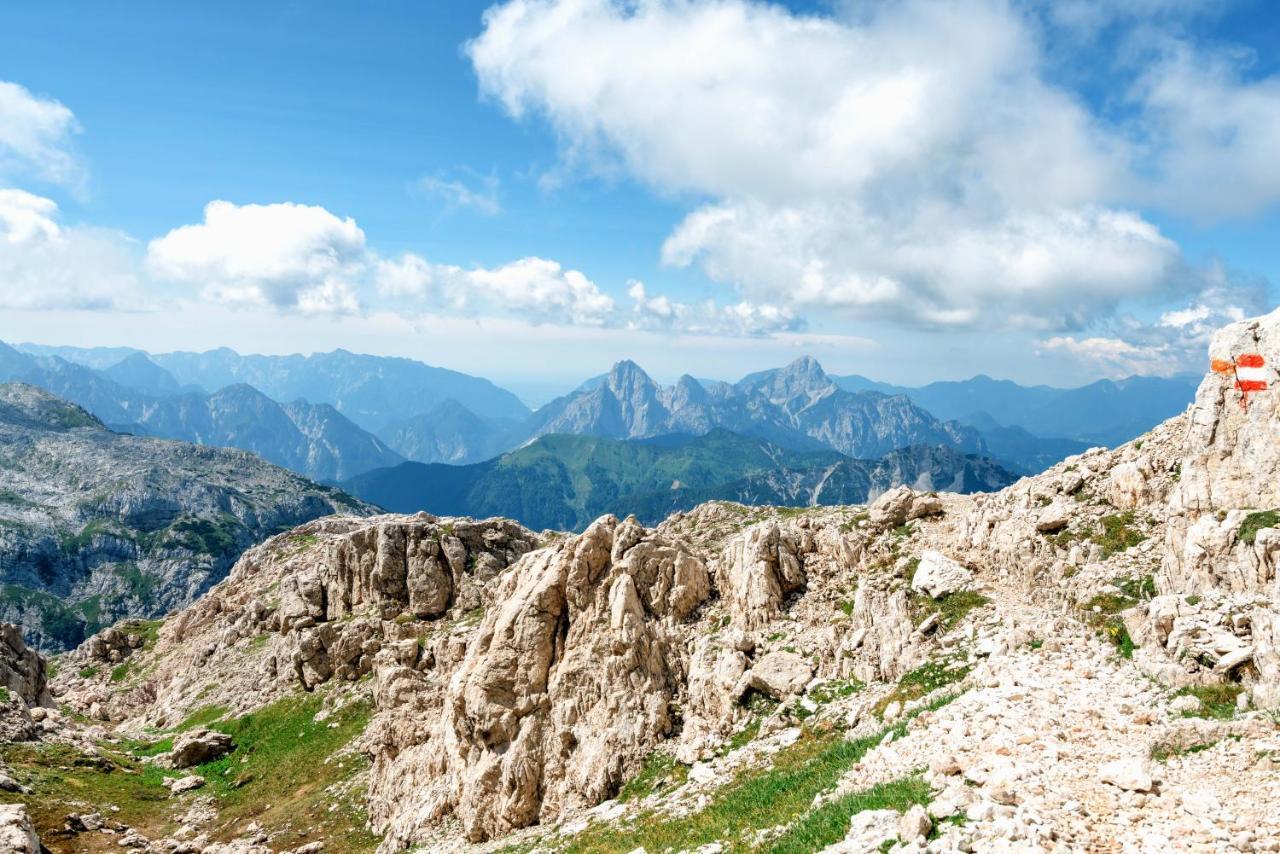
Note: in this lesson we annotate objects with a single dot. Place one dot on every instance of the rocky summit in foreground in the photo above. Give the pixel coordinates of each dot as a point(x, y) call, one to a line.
point(1084, 661)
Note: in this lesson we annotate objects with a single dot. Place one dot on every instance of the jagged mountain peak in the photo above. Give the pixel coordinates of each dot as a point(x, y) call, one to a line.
point(627, 374)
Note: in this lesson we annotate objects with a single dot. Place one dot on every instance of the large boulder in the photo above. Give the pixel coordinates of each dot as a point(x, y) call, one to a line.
point(938, 575)
point(781, 674)
point(198, 747)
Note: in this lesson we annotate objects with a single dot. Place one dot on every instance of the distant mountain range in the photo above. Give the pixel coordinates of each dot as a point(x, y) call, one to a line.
point(312, 439)
point(1107, 412)
point(372, 391)
point(561, 481)
point(97, 525)
point(332, 416)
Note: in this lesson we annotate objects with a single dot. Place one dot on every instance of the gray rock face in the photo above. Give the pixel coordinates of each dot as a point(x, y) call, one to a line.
point(96, 526)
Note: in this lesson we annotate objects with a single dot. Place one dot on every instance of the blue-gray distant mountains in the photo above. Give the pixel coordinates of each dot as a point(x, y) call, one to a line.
point(334, 415)
point(372, 391)
point(564, 482)
point(313, 439)
point(1107, 412)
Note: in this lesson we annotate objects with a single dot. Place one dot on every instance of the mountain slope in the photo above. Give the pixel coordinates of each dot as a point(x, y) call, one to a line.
point(562, 481)
point(451, 433)
point(95, 525)
point(798, 407)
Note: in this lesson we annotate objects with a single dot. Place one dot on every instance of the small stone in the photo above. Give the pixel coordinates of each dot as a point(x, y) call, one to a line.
point(1184, 705)
point(914, 824)
point(1131, 775)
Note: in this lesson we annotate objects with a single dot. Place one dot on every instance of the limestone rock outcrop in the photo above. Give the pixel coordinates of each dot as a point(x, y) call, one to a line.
point(567, 683)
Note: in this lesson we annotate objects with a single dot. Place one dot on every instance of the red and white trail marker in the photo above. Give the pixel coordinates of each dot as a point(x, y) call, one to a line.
point(1250, 373)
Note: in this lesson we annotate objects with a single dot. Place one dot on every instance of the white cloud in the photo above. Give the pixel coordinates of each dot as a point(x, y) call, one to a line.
point(1116, 358)
point(281, 255)
point(46, 265)
point(911, 161)
point(35, 138)
point(459, 194)
point(536, 289)
point(742, 319)
point(1177, 340)
point(407, 276)
point(1212, 133)
point(1039, 270)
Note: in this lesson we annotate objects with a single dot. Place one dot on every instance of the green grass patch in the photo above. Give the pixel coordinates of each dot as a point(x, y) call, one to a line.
point(1118, 533)
point(904, 530)
point(88, 672)
point(951, 609)
point(756, 799)
point(829, 823)
point(924, 680)
point(849, 524)
point(835, 689)
point(1164, 752)
point(660, 772)
point(63, 780)
point(1255, 522)
point(1217, 701)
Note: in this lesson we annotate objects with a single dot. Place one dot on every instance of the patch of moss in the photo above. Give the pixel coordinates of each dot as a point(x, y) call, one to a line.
point(951, 609)
point(835, 689)
point(924, 680)
point(755, 799)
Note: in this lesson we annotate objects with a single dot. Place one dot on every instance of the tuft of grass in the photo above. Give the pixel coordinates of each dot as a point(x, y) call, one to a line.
point(88, 672)
point(1118, 533)
point(1255, 522)
point(743, 737)
point(924, 680)
point(845, 606)
point(835, 689)
point(1217, 701)
point(904, 530)
point(951, 608)
point(1164, 752)
point(829, 823)
point(659, 772)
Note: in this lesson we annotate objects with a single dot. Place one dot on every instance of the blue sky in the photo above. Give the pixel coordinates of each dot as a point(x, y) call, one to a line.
point(911, 190)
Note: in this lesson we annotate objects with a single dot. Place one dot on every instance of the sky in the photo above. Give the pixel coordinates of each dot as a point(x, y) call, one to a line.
point(532, 190)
